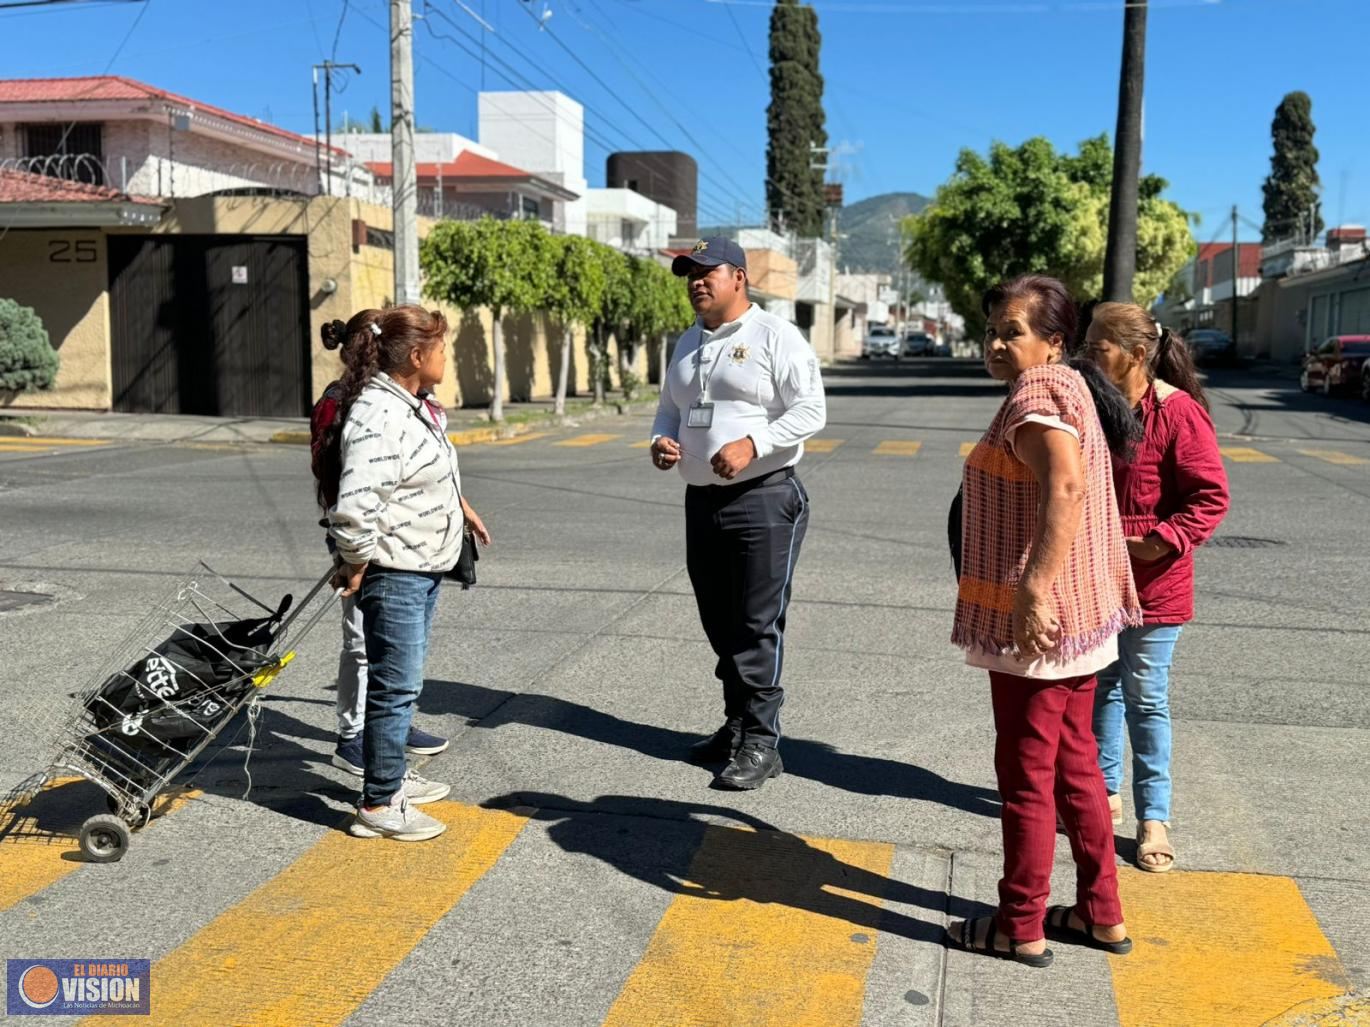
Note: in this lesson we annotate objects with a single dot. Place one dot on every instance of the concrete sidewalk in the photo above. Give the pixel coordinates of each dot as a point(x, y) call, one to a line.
point(467, 426)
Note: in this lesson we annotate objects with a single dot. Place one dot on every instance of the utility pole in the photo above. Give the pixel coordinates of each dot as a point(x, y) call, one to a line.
point(1120, 261)
point(1236, 274)
point(318, 154)
point(404, 181)
point(329, 67)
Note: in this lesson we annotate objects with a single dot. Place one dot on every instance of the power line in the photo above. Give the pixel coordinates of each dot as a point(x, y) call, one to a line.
point(745, 45)
point(337, 33)
point(604, 85)
point(518, 80)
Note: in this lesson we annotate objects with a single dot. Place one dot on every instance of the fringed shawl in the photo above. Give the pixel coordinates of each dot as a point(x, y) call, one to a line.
point(1094, 595)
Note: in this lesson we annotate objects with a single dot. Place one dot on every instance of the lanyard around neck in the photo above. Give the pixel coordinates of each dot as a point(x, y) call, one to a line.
point(713, 366)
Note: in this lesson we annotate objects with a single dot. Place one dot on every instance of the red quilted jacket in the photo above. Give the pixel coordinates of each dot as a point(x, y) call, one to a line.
point(1176, 486)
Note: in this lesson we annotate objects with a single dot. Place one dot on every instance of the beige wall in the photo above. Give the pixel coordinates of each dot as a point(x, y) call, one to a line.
point(72, 299)
point(43, 270)
point(773, 273)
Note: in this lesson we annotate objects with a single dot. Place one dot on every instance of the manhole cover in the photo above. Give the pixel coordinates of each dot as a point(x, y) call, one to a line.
point(1245, 542)
point(14, 600)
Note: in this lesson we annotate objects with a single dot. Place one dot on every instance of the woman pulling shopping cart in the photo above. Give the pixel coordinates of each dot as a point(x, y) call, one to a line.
point(388, 478)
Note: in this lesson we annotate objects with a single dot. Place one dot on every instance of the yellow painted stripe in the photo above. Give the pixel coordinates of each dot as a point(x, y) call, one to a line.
point(20, 449)
point(35, 837)
point(518, 440)
point(1333, 457)
point(823, 445)
point(312, 943)
point(894, 448)
point(966, 448)
point(642, 444)
point(1219, 949)
point(763, 932)
point(1246, 455)
point(587, 440)
point(36, 440)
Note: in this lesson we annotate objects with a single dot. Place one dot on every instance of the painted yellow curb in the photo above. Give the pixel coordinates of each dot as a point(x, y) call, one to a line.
point(469, 437)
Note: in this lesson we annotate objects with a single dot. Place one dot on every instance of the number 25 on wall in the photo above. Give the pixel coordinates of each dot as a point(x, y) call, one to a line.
point(63, 251)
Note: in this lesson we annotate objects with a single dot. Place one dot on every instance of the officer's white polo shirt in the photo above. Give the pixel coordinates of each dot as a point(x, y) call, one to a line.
point(763, 380)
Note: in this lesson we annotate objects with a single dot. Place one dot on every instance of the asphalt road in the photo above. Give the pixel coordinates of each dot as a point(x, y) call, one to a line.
point(591, 876)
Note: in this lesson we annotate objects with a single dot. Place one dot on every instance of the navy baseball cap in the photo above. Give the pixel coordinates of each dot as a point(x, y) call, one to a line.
point(710, 253)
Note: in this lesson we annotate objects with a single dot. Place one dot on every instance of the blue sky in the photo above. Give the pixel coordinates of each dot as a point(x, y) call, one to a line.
point(909, 82)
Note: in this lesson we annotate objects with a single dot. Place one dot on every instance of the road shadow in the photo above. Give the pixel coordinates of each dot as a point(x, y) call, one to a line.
point(927, 378)
point(490, 709)
point(758, 862)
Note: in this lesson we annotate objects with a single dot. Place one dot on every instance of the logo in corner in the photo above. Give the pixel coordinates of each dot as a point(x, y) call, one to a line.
point(700, 246)
point(70, 987)
point(38, 987)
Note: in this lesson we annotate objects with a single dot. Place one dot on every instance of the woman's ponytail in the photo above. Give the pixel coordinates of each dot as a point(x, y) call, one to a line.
point(1121, 427)
point(1174, 365)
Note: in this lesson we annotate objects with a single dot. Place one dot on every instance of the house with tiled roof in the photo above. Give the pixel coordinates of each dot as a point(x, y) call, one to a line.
point(113, 131)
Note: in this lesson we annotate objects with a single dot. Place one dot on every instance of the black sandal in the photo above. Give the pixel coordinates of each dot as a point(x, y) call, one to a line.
point(1058, 927)
point(968, 944)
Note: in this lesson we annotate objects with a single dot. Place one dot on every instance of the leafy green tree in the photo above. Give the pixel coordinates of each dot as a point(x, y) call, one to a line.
point(377, 127)
point(1031, 209)
point(503, 265)
point(27, 359)
point(614, 311)
point(1291, 190)
point(575, 296)
point(795, 120)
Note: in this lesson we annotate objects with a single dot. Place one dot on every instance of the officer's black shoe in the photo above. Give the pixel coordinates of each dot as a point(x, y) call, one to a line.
point(750, 768)
point(719, 747)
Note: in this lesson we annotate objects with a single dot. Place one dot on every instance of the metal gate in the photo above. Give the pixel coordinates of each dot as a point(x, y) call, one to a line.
point(212, 324)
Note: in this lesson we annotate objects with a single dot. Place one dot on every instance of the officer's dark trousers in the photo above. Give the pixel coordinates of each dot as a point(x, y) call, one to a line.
point(741, 546)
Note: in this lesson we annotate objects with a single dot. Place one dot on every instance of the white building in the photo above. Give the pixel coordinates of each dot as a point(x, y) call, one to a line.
point(429, 147)
point(628, 221)
point(544, 133)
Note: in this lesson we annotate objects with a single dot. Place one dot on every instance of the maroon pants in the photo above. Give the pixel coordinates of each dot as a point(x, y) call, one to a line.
point(1047, 762)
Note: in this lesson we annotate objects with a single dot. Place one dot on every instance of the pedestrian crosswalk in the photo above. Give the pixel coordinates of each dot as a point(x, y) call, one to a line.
point(938, 447)
point(763, 927)
point(934, 448)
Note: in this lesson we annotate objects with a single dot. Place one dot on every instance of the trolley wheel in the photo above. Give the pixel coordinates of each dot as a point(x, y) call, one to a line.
point(104, 838)
point(142, 814)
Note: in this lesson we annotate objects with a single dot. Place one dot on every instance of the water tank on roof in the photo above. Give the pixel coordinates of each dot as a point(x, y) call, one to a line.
point(669, 177)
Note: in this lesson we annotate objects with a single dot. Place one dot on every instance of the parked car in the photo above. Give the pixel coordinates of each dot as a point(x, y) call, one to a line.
point(918, 344)
point(880, 341)
point(1338, 365)
point(941, 349)
point(1211, 346)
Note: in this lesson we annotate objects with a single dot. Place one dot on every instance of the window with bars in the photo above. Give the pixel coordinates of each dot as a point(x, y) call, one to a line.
point(74, 150)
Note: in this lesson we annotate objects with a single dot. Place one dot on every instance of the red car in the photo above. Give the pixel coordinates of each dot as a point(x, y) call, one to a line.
point(1338, 365)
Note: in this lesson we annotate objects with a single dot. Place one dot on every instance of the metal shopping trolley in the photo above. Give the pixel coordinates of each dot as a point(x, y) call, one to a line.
point(196, 662)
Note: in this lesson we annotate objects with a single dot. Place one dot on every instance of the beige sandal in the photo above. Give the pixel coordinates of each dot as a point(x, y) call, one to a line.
point(1145, 849)
point(1115, 807)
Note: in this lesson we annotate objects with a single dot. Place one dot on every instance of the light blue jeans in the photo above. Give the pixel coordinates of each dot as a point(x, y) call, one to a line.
point(397, 615)
point(1136, 689)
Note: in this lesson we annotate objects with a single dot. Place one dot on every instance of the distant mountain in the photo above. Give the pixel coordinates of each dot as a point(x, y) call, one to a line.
point(870, 231)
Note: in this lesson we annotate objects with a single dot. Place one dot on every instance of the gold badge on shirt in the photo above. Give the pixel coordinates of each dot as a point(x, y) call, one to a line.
point(740, 354)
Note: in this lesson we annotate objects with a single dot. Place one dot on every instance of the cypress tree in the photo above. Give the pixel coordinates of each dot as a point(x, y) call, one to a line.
point(1291, 190)
point(794, 120)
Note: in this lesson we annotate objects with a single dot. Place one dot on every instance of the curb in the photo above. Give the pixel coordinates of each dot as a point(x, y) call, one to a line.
point(495, 432)
point(15, 429)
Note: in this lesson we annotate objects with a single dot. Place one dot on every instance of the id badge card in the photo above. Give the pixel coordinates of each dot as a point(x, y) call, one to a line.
point(700, 415)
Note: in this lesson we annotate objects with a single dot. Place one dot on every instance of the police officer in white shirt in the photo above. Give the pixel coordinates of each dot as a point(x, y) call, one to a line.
point(742, 394)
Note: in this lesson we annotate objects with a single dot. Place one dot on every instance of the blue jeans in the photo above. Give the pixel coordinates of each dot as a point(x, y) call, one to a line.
point(397, 614)
point(1137, 689)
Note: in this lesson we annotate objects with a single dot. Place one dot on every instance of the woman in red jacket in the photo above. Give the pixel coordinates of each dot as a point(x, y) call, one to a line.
point(1172, 495)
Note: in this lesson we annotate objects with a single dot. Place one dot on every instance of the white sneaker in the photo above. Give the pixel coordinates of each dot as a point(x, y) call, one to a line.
point(419, 790)
point(399, 821)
